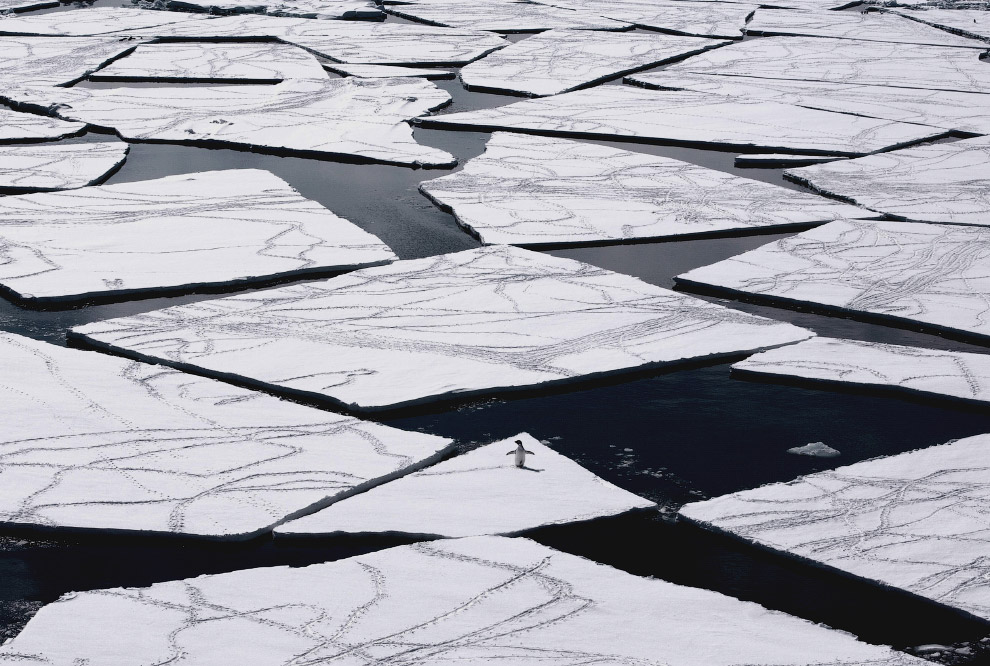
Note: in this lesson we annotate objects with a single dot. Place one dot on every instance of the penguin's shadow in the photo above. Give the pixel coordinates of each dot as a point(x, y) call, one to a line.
point(529, 469)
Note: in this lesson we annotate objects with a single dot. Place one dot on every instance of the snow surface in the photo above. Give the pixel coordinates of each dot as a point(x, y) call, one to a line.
point(690, 117)
point(946, 182)
point(911, 369)
point(456, 498)
point(771, 160)
point(846, 61)
point(16, 126)
point(964, 111)
point(527, 190)
point(479, 321)
point(93, 21)
point(501, 16)
point(54, 61)
point(176, 232)
point(25, 5)
point(57, 166)
point(322, 9)
point(214, 62)
point(704, 19)
point(815, 450)
point(915, 521)
point(481, 600)
point(560, 60)
point(869, 26)
point(101, 443)
point(929, 274)
point(969, 22)
point(388, 71)
point(361, 118)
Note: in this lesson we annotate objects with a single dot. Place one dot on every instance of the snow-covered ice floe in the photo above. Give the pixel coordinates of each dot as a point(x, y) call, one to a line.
point(57, 166)
point(635, 114)
point(915, 521)
point(950, 110)
point(91, 21)
point(502, 16)
point(969, 22)
point(388, 71)
point(492, 319)
point(560, 60)
point(26, 5)
point(56, 61)
point(174, 233)
point(869, 26)
point(476, 493)
point(321, 9)
point(777, 160)
point(214, 63)
point(929, 275)
point(704, 19)
point(945, 182)
point(352, 118)
point(16, 126)
point(100, 443)
point(527, 190)
point(912, 370)
point(815, 450)
point(847, 61)
point(480, 600)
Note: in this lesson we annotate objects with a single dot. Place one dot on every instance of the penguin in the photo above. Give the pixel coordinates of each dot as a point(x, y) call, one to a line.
point(520, 452)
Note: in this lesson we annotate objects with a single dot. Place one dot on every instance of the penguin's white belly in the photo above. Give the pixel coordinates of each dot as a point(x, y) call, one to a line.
point(520, 458)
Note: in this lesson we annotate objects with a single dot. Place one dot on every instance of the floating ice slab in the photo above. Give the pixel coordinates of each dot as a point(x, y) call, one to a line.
point(214, 63)
point(966, 112)
point(26, 5)
point(704, 19)
point(946, 182)
point(455, 498)
point(559, 60)
point(625, 112)
point(15, 126)
point(485, 320)
point(172, 233)
point(388, 71)
point(480, 600)
point(92, 21)
point(57, 166)
point(323, 9)
point(774, 161)
point(847, 61)
point(527, 190)
point(55, 61)
point(915, 521)
point(815, 450)
point(929, 274)
point(101, 443)
point(945, 374)
point(969, 22)
point(357, 118)
point(502, 16)
point(869, 26)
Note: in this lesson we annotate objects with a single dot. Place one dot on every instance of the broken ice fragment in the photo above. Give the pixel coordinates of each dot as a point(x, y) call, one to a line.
point(815, 450)
point(57, 166)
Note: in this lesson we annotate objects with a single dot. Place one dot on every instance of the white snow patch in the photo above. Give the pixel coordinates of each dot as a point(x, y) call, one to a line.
point(57, 166)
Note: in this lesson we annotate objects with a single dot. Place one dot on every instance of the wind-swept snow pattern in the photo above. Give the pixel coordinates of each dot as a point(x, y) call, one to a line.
point(703, 19)
point(323, 118)
point(945, 182)
point(628, 113)
point(560, 60)
point(214, 63)
point(56, 61)
point(867, 26)
point(100, 443)
point(915, 521)
point(174, 233)
point(16, 126)
point(389, 71)
point(527, 190)
point(912, 370)
point(477, 493)
point(970, 22)
point(93, 21)
point(502, 16)
point(475, 600)
point(963, 111)
point(480, 321)
point(932, 275)
point(57, 166)
point(847, 61)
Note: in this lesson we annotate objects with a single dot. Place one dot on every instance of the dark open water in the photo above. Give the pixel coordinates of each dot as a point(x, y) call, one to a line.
point(672, 437)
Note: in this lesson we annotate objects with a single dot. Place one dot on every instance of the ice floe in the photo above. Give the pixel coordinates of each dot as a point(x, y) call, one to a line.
point(389, 71)
point(944, 182)
point(173, 233)
point(57, 166)
point(55, 61)
point(100, 443)
point(480, 321)
point(321, 9)
point(815, 450)
point(353, 117)
point(527, 190)
point(214, 63)
point(456, 498)
point(773, 161)
point(26, 5)
point(704, 19)
point(629, 113)
point(867, 26)
point(16, 126)
point(915, 521)
point(932, 275)
point(559, 60)
point(847, 61)
point(970, 22)
point(947, 374)
point(474, 600)
point(963, 111)
point(92, 21)
point(502, 16)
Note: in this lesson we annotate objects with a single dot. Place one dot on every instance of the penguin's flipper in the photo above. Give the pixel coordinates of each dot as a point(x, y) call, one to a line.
point(510, 452)
point(529, 452)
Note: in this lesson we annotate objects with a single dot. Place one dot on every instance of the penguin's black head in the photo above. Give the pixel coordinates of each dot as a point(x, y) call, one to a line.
point(519, 442)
